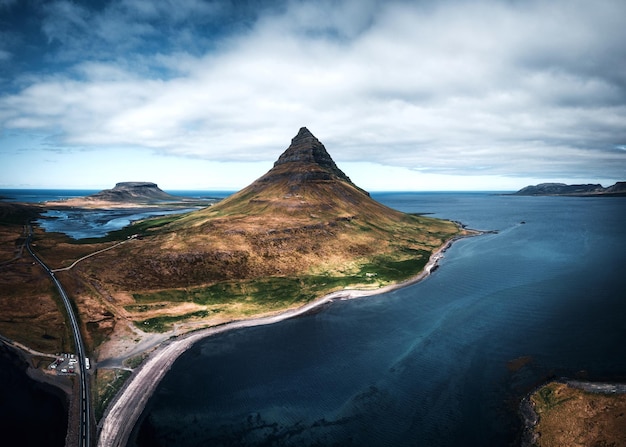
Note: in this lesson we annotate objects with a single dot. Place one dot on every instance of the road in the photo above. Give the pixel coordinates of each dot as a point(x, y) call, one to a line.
point(85, 396)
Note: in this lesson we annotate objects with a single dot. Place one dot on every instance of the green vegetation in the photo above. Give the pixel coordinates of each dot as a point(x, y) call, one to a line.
point(389, 270)
point(165, 322)
point(547, 399)
point(270, 294)
point(145, 307)
point(108, 383)
point(135, 361)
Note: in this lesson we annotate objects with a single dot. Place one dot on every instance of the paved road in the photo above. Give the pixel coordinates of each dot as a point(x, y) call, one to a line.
point(85, 396)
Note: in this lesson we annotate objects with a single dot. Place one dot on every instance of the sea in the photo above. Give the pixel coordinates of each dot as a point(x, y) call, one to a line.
point(92, 223)
point(444, 362)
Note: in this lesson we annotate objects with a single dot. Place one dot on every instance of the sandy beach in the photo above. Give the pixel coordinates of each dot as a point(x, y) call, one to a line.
point(125, 410)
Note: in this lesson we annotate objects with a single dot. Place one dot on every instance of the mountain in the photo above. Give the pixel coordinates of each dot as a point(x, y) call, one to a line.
point(305, 183)
point(561, 189)
point(618, 188)
point(303, 217)
point(133, 192)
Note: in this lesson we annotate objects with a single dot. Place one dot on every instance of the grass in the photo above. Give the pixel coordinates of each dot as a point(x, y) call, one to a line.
point(547, 398)
point(389, 270)
point(237, 299)
point(135, 361)
point(164, 323)
point(108, 383)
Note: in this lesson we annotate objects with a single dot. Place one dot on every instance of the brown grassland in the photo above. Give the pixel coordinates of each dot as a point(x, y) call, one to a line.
point(575, 418)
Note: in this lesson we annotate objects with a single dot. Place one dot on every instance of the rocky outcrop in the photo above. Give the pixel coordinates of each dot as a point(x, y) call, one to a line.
point(133, 192)
point(561, 189)
point(305, 160)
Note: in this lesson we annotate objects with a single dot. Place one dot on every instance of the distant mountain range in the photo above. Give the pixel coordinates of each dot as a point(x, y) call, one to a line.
point(561, 189)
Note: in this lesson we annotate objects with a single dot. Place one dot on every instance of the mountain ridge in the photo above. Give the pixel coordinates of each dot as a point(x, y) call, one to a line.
point(581, 190)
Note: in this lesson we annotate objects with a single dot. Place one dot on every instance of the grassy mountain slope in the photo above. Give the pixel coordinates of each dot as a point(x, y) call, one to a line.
point(298, 232)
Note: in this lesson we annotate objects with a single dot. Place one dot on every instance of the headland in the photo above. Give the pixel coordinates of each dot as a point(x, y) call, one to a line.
point(124, 412)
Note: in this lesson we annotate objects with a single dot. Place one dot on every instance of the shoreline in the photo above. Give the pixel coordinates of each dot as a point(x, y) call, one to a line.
point(123, 413)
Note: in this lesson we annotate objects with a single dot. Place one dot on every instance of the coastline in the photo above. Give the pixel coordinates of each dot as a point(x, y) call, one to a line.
point(126, 408)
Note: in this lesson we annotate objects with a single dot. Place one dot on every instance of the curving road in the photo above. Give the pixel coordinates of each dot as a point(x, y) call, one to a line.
point(85, 396)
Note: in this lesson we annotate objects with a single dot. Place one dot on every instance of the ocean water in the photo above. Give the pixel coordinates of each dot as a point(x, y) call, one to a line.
point(87, 223)
point(42, 195)
point(35, 413)
point(441, 363)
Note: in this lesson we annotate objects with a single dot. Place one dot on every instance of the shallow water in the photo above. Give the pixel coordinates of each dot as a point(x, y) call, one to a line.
point(88, 223)
point(433, 364)
point(85, 223)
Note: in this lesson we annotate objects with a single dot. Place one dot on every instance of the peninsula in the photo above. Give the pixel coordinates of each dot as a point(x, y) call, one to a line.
point(299, 236)
point(584, 190)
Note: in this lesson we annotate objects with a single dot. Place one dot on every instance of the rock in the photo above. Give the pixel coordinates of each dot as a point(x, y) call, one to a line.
point(305, 160)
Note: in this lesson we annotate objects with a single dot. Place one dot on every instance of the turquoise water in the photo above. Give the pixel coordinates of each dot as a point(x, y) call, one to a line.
point(88, 223)
point(430, 364)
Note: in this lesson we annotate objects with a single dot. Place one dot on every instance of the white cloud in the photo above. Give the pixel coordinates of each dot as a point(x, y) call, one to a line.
point(489, 88)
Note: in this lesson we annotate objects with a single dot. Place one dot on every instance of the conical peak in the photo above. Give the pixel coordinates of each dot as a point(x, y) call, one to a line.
point(305, 148)
point(304, 136)
point(306, 159)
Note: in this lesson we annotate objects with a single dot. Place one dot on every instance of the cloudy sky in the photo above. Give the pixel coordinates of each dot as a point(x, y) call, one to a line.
point(405, 95)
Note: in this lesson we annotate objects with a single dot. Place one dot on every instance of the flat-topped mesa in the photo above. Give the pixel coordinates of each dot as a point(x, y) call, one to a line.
point(132, 192)
point(132, 185)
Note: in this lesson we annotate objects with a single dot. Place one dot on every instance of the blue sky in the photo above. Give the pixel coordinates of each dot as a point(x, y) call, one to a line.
point(405, 95)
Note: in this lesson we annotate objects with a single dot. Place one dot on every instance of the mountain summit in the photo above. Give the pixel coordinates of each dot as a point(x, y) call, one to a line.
point(304, 180)
point(307, 155)
point(305, 160)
